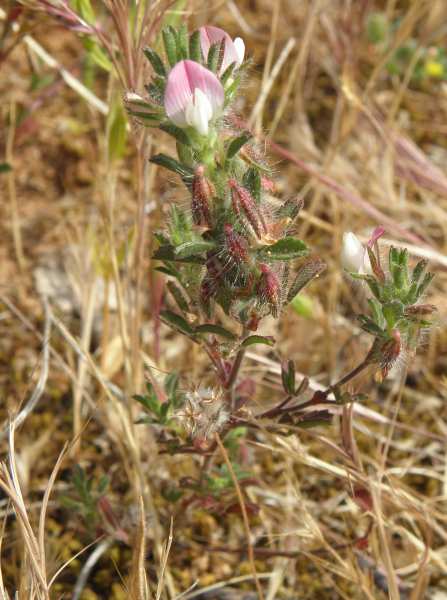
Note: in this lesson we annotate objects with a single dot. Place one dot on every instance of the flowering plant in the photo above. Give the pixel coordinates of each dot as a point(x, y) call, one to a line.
point(232, 258)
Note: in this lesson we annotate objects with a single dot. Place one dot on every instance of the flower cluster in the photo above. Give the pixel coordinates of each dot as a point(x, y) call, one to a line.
point(397, 314)
point(234, 245)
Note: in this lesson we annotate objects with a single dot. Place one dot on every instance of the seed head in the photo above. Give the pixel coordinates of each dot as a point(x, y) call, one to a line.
point(202, 194)
point(204, 413)
point(246, 208)
point(236, 245)
point(390, 352)
point(420, 310)
point(269, 288)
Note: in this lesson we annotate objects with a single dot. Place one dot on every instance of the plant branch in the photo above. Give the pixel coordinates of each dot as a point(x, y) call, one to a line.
point(235, 369)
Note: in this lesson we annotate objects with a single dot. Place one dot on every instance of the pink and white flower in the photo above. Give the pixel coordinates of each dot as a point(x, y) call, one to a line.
point(234, 51)
point(194, 96)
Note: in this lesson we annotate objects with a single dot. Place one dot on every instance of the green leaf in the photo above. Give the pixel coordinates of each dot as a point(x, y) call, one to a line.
point(392, 311)
point(185, 154)
point(192, 248)
point(237, 143)
point(290, 209)
point(172, 165)
point(252, 181)
point(102, 484)
point(376, 310)
point(227, 73)
point(230, 91)
point(373, 285)
point(156, 62)
point(166, 270)
point(177, 322)
point(78, 478)
point(303, 305)
point(164, 411)
point(5, 167)
point(171, 384)
point(288, 376)
point(309, 270)
point(146, 420)
point(195, 51)
point(178, 296)
point(116, 128)
point(100, 57)
point(425, 283)
point(216, 329)
point(167, 252)
point(170, 45)
point(177, 132)
point(149, 402)
point(258, 339)
point(418, 270)
point(370, 326)
point(156, 90)
point(213, 57)
point(150, 119)
point(70, 503)
point(182, 42)
point(285, 249)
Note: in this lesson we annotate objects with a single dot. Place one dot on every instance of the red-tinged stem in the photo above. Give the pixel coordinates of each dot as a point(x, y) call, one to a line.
point(358, 369)
point(231, 380)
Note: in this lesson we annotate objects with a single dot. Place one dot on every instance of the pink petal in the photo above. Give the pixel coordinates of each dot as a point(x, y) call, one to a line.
point(210, 35)
point(183, 79)
point(376, 234)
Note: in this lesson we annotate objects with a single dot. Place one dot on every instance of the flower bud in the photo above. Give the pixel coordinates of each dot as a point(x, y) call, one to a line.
point(235, 244)
point(354, 256)
point(202, 194)
point(269, 288)
point(234, 50)
point(245, 206)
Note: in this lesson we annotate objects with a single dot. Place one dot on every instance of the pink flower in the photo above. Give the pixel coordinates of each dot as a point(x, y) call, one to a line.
point(193, 97)
point(234, 49)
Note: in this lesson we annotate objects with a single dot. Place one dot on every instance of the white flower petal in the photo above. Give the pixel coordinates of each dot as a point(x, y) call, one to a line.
point(199, 112)
point(353, 253)
point(239, 46)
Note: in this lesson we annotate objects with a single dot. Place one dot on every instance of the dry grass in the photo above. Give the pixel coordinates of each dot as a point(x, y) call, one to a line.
point(356, 510)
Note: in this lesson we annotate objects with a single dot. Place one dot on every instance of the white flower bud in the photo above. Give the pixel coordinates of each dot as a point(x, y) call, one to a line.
point(354, 256)
point(240, 49)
